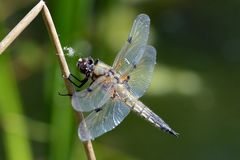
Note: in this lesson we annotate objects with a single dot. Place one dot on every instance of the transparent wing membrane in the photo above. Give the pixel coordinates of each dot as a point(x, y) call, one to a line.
point(94, 96)
point(141, 75)
point(116, 90)
point(104, 120)
point(133, 50)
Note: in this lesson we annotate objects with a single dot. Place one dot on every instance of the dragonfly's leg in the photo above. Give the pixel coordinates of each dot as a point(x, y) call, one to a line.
point(71, 75)
point(82, 81)
point(76, 78)
point(91, 83)
point(62, 94)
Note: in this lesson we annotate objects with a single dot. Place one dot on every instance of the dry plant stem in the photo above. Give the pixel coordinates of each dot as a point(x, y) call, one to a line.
point(65, 71)
point(20, 27)
point(59, 52)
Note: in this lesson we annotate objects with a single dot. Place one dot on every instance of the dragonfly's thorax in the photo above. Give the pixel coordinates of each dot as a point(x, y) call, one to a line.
point(97, 68)
point(102, 69)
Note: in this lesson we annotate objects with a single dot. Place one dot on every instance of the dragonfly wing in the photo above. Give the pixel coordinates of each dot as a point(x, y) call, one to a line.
point(94, 96)
point(132, 51)
point(140, 77)
point(104, 120)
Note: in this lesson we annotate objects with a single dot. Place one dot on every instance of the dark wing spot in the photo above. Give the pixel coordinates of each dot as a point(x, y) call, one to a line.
point(129, 40)
point(89, 89)
point(116, 79)
point(98, 109)
point(111, 71)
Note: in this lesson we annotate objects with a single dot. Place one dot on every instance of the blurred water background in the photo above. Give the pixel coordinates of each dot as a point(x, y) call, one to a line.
point(195, 86)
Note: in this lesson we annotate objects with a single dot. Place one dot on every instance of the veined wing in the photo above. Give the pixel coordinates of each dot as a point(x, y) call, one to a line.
point(94, 96)
point(141, 75)
point(104, 120)
point(132, 51)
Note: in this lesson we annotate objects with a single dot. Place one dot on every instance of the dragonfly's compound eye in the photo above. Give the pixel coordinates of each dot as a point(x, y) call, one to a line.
point(90, 61)
point(79, 62)
point(81, 65)
point(85, 65)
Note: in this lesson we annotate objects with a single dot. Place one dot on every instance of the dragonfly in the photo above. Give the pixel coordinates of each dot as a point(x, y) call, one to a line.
point(115, 90)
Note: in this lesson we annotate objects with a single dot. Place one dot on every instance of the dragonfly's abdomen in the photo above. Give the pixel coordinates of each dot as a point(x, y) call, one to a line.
point(142, 110)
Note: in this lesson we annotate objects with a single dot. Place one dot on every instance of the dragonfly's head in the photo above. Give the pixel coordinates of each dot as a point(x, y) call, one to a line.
point(85, 65)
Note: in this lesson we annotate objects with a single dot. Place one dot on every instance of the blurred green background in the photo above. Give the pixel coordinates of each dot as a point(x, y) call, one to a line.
point(195, 86)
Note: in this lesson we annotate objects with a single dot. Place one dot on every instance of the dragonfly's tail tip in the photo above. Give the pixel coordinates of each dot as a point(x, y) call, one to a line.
point(172, 132)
